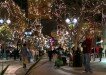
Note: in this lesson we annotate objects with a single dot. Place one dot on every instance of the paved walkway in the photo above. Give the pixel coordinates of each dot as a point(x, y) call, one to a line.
point(44, 67)
point(3, 64)
point(99, 68)
point(47, 68)
point(15, 67)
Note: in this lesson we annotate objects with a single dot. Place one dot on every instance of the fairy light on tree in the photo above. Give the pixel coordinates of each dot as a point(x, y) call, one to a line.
point(40, 8)
point(58, 10)
point(86, 10)
point(15, 14)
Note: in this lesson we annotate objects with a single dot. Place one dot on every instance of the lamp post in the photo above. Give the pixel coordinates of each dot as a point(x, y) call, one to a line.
point(28, 33)
point(8, 21)
point(76, 53)
point(73, 21)
point(3, 21)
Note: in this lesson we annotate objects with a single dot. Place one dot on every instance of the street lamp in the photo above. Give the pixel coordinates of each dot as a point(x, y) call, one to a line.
point(29, 33)
point(8, 21)
point(68, 21)
point(74, 21)
point(1, 21)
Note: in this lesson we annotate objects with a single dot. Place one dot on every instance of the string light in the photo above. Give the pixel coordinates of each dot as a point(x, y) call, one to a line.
point(53, 9)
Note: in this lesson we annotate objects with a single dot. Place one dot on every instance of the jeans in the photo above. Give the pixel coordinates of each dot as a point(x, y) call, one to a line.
point(100, 56)
point(86, 62)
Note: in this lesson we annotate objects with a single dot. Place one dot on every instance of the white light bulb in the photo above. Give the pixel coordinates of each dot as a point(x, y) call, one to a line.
point(101, 41)
point(1, 21)
point(74, 21)
point(8, 21)
point(68, 21)
point(30, 33)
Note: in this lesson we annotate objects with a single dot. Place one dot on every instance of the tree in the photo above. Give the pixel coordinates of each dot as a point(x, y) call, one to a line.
point(87, 11)
point(5, 33)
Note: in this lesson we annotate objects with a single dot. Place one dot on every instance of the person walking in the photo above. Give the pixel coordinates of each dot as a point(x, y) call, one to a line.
point(24, 55)
point(36, 55)
point(93, 53)
point(100, 53)
point(50, 55)
point(86, 45)
point(105, 52)
point(15, 54)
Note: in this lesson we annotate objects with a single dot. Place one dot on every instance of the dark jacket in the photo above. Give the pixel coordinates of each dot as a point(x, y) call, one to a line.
point(86, 45)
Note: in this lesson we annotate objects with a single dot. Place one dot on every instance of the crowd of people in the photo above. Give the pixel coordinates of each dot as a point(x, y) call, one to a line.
point(58, 55)
point(24, 54)
point(80, 57)
point(9, 53)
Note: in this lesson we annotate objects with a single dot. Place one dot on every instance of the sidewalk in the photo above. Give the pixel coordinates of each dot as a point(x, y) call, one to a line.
point(99, 68)
point(3, 64)
point(45, 67)
point(15, 67)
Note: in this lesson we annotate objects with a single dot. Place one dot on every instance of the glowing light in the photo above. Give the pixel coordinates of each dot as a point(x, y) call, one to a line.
point(68, 21)
point(101, 41)
point(74, 21)
point(28, 33)
point(1, 21)
point(8, 21)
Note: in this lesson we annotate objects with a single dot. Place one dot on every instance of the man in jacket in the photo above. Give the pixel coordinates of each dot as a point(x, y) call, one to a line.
point(86, 45)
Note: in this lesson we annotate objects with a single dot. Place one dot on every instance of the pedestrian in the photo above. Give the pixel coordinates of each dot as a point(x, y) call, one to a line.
point(77, 57)
point(54, 54)
point(50, 55)
point(0, 54)
point(100, 53)
point(105, 52)
point(24, 55)
point(7, 53)
point(86, 45)
point(15, 54)
point(36, 55)
point(93, 53)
